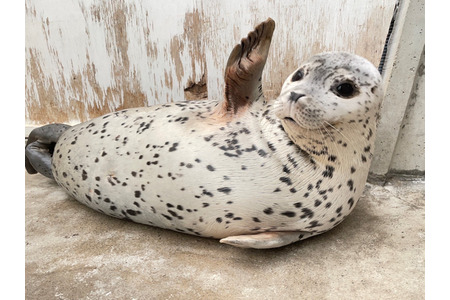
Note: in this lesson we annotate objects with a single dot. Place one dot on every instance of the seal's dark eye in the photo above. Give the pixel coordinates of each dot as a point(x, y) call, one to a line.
point(345, 90)
point(297, 76)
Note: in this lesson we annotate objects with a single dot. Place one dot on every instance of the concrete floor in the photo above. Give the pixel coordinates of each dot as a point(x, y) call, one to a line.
point(73, 252)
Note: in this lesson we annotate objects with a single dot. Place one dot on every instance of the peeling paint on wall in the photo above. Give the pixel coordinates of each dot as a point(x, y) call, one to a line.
point(87, 58)
point(197, 90)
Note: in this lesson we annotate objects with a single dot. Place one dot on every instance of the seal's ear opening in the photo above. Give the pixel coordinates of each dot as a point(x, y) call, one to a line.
point(243, 73)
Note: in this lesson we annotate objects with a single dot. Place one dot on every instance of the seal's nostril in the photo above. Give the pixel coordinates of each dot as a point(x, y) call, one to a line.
point(294, 96)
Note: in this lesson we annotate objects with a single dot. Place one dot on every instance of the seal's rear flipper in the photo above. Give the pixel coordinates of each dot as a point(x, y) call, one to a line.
point(244, 69)
point(265, 240)
point(39, 148)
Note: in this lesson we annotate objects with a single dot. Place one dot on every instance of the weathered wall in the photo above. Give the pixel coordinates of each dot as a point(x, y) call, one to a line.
point(85, 58)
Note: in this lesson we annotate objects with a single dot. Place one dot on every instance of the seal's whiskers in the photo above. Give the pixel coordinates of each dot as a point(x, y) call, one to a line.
point(337, 130)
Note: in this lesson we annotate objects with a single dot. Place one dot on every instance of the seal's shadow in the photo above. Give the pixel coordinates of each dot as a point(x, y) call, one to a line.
point(360, 222)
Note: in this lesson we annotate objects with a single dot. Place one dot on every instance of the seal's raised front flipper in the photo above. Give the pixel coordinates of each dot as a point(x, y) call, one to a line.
point(39, 148)
point(265, 240)
point(244, 69)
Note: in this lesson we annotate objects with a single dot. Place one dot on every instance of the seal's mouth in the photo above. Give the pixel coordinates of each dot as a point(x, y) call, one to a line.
point(323, 126)
point(289, 119)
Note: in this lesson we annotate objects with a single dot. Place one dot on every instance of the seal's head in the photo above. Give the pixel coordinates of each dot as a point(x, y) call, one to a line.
point(328, 89)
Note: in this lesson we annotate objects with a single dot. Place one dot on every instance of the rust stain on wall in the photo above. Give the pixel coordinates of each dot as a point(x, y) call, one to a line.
point(127, 84)
point(195, 37)
point(176, 47)
point(42, 91)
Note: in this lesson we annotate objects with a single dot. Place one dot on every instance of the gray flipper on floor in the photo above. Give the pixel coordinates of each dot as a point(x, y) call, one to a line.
point(39, 148)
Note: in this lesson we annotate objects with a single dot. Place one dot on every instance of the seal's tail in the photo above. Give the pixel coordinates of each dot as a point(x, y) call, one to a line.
point(39, 148)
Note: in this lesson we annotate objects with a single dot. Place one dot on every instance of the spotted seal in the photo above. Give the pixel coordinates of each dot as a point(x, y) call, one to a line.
point(250, 172)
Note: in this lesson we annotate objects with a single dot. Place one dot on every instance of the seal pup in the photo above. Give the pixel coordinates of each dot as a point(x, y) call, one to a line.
point(250, 172)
